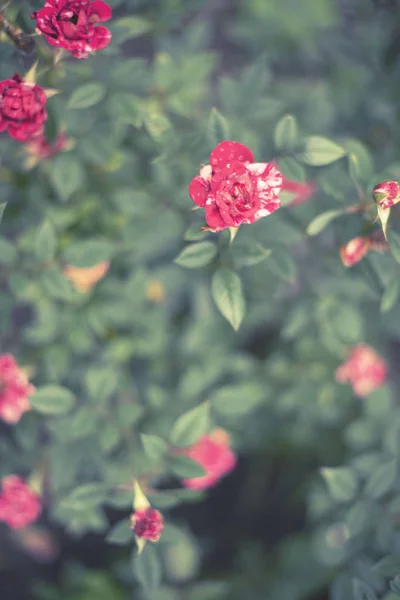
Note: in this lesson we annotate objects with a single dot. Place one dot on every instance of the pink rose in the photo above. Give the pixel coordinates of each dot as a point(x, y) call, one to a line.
point(71, 24)
point(355, 250)
point(14, 390)
point(387, 193)
point(214, 454)
point(19, 505)
point(22, 108)
point(233, 189)
point(363, 369)
point(147, 524)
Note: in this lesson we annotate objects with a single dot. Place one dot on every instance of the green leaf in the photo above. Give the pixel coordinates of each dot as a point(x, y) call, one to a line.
point(120, 533)
point(86, 95)
point(134, 26)
point(217, 128)
point(319, 223)
point(381, 480)
point(341, 482)
point(52, 400)
point(282, 265)
point(101, 382)
point(88, 252)
point(197, 255)
point(238, 399)
point(194, 233)
point(286, 133)
point(395, 585)
point(2, 208)
point(147, 569)
point(388, 566)
point(247, 252)
point(85, 496)
point(55, 284)
point(191, 426)
point(319, 151)
point(363, 591)
point(46, 242)
point(394, 243)
point(66, 175)
point(390, 295)
point(227, 292)
point(154, 447)
point(291, 169)
point(184, 467)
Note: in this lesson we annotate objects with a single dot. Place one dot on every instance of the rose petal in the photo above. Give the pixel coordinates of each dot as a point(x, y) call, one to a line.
point(100, 10)
point(228, 151)
point(101, 39)
point(198, 191)
point(213, 218)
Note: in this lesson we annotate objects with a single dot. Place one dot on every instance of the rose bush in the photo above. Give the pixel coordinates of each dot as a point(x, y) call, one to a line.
point(204, 387)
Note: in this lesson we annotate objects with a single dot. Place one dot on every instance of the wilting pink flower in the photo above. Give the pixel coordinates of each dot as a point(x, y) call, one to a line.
point(19, 505)
point(387, 193)
point(233, 189)
point(22, 108)
point(147, 524)
point(14, 390)
point(71, 24)
point(355, 250)
point(39, 148)
point(214, 454)
point(364, 369)
point(38, 543)
point(84, 278)
point(302, 192)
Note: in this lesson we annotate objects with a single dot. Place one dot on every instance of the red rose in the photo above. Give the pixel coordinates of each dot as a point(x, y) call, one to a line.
point(22, 108)
point(214, 454)
point(14, 390)
point(235, 190)
point(70, 24)
point(147, 524)
point(19, 505)
point(364, 369)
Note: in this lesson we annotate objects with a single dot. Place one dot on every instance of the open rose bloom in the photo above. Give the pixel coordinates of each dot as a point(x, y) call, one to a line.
point(22, 108)
point(233, 189)
point(214, 454)
point(85, 278)
point(387, 193)
point(364, 369)
point(14, 390)
point(72, 25)
point(147, 524)
point(19, 505)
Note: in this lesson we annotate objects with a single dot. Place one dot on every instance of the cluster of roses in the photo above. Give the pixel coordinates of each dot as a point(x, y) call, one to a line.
point(20, 505)
point(70, 25)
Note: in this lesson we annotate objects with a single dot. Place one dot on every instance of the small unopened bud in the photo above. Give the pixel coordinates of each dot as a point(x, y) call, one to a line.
point(354, 250)
point(387, 193)
point(147, 524)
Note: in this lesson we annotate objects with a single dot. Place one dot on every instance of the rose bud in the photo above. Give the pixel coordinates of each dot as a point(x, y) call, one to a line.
point(355, 250)
point(233, 189)
point(364, 369)
point(72, 25)
point(19, 505)
point(214, 454)
point(22, 108)
point(14, 390)
point(39, 148)
point(387, 194)
point(147, 524)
